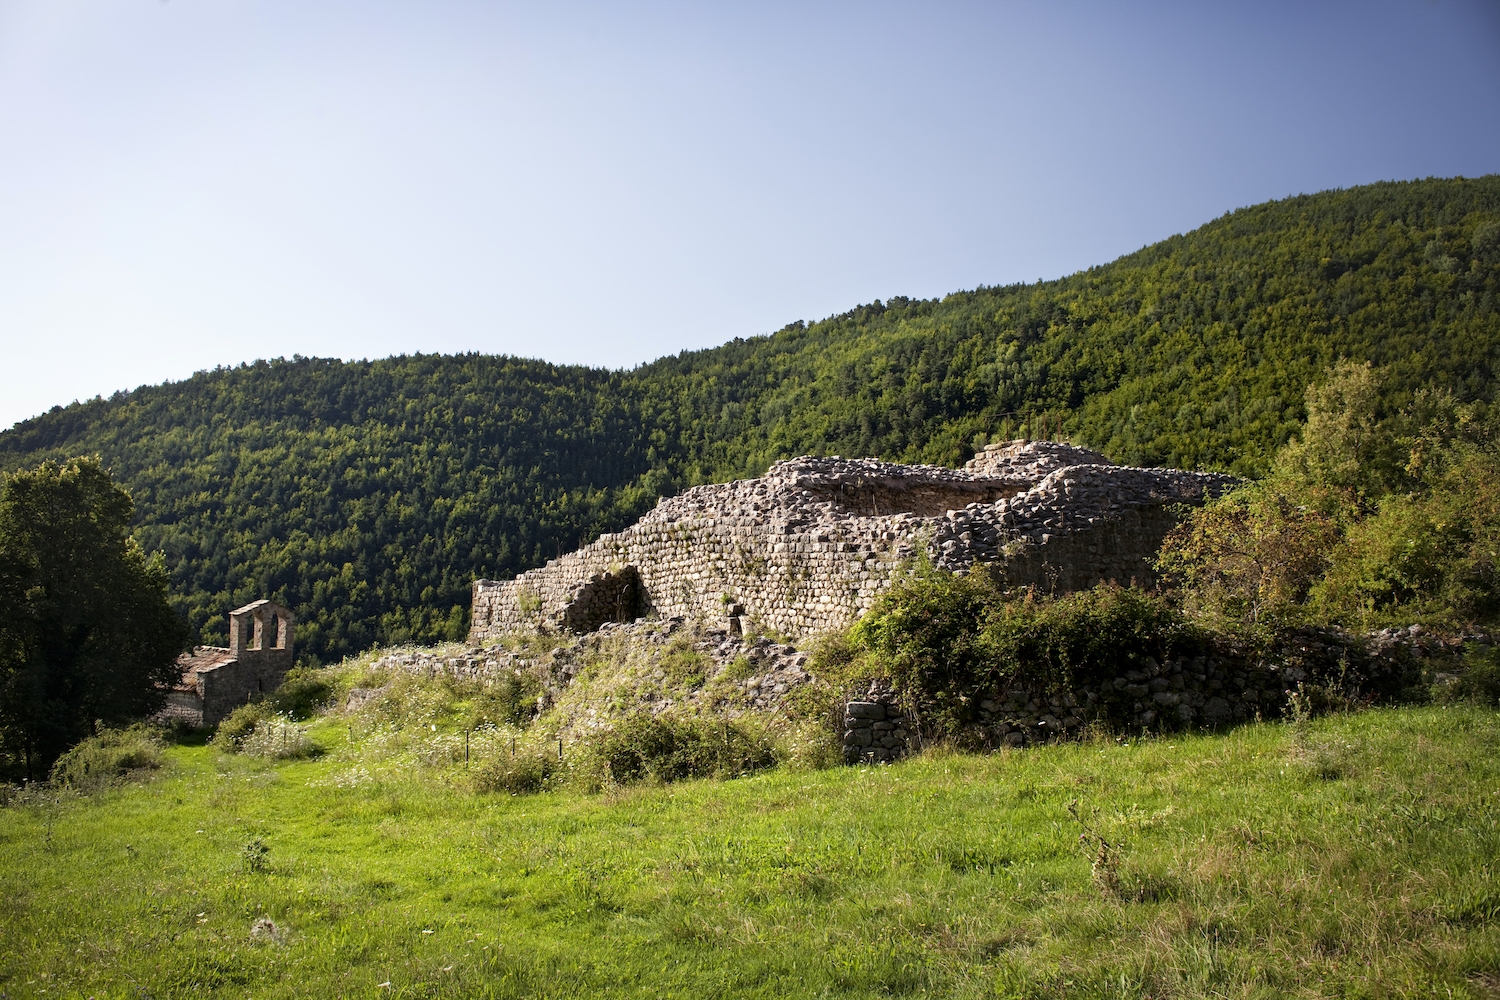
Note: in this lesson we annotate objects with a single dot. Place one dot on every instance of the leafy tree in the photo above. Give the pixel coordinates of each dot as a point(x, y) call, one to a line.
point(1374, 517)
point(87, 635)
point(1251, 557)
point(1432, 554)
point(1348, 441)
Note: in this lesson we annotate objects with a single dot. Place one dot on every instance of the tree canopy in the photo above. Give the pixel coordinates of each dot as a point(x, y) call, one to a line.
point(368, 495)
point(87, 633)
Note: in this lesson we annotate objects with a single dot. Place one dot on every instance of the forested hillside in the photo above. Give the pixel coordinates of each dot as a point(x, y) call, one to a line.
point(367, 495)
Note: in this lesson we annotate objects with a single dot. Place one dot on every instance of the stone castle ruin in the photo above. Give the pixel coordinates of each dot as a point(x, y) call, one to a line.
point(216, 680)
point(809, 546)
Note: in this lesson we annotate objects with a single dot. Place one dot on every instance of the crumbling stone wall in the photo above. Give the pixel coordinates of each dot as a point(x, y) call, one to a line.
point(1223, 685)
point(874, 731)
point(741, 673)
point(810, 546)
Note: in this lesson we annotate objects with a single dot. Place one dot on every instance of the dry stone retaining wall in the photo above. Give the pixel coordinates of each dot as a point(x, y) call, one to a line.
point(874, 731)
point(1223, 685)
point(809, 546)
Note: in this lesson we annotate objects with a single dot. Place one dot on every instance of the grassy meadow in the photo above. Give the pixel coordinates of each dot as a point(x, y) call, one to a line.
point(1350, 856)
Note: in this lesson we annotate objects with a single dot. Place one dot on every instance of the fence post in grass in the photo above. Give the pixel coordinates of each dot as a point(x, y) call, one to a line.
point(559, 748)
point(466, 748)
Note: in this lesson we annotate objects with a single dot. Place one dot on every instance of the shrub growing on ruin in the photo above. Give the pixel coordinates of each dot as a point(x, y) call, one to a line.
point(947, 642)
point(663, 748)
point(1250, 558)
point(509, 700)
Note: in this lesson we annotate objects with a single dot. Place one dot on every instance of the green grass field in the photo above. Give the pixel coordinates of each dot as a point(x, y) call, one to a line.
point(1353, 856)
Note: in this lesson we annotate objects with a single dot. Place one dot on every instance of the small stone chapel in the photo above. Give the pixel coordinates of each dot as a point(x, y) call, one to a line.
point(216, 680)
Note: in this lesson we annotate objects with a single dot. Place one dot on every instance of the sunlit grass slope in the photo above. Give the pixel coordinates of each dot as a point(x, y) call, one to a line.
point(1355, 856)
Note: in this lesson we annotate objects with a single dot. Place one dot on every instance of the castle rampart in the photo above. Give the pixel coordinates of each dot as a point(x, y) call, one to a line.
point(810, 546)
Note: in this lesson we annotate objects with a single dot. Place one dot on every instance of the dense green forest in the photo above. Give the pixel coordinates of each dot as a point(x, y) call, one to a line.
point(367, 495)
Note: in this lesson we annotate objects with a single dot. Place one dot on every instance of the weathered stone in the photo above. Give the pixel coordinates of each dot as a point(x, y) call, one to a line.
point(813, 543)
point(217, 680)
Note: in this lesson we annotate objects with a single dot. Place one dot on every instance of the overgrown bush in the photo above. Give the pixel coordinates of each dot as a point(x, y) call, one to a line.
point(103, 758)
point(809, 744)
point(405, 699)
point(258, 731)
point(1480, 680)
point(237, 725)
point(1249, 559)
point(1375, 517)
point(302, 692)
point(663, 748)
point(948, 641)
point(683, 663)
point(503, 701)
point(525, 773)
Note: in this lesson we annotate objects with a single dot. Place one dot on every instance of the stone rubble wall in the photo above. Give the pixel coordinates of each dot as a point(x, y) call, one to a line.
point(1224, 685)
point(1030, 460)
point(808, 547)
point(874, 731)
point(776, 668)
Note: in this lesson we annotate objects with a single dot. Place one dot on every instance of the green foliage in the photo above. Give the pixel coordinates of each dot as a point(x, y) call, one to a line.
point(277, 738)
point(256, 856)
point(443, 702)
point(86, 631)
point(1480, 680)
point(1430, 555)
point(302, 692)
point(504, 701)
point(947, 640)
point(683, 664)
point(367, 496)
point(237, 726)
point(1347, 443)
point(1376, 516)
point(1250, 558)
point(98, 760)
point(662, 748)
point(534, 770)
point(739, 669)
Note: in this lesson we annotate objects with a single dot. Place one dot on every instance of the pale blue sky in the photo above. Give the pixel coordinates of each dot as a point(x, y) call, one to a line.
point(187, 184)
